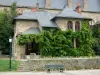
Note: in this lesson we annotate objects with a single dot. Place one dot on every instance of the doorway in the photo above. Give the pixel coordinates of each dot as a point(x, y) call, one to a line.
point(32, 48)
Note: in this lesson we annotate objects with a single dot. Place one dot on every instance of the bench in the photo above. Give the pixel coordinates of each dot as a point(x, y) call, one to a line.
point(59, 67)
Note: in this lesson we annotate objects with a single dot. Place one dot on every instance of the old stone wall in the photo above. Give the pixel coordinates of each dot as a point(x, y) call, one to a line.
point(48, 4)
point(69, 63)
point(94, 16)
point(21, 26)
point(70, 3)
point(62, 23)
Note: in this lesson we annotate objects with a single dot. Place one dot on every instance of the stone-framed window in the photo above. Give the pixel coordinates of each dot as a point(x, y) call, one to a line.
point(77, 26)
point(70, 25)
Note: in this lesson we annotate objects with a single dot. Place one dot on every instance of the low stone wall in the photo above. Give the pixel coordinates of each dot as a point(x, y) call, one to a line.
point(4, 56)
point(69, 63)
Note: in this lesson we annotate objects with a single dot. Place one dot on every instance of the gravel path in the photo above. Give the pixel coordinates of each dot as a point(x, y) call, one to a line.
point(78, 72)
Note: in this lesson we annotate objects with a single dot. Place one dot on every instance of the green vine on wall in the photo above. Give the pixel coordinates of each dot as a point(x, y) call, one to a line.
point(60, 43)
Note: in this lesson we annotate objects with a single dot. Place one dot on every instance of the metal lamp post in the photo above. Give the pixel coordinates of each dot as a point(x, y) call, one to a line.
point(10, 41)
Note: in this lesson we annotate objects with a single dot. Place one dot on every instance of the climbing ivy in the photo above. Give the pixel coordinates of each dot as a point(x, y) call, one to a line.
point(85, 40)
point(56, 43)
point(96, 35)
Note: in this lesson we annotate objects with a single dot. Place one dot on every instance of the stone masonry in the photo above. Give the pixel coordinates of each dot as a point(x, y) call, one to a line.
point(48, 4)
point(21, 26)
point(69, 63)
point(70, 5)
point(85, 5)
point(94, 16)
point(62, 23)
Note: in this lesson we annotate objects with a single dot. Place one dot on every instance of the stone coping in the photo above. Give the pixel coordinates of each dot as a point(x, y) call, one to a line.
point(65, 58)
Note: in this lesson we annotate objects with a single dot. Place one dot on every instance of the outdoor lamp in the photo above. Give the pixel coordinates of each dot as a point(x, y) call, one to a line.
point(10, 53)
point(10, 39)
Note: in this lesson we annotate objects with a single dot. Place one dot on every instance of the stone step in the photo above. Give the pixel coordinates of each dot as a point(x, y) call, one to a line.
point(23, 70)
point(23, 67)
point(23, 62)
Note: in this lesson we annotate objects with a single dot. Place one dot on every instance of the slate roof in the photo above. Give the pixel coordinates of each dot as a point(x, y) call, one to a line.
point(30, 3)
point(70, 13)
point(24, 3)
point(93, 5)
point(32, 30)
point(44, 18)
point(58, 4)
point(6, 2)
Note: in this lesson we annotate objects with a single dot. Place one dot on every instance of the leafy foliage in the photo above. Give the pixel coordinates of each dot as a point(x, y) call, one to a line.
point(85, 39)
point(61, 43)
point(6, 27)
point(96, 35)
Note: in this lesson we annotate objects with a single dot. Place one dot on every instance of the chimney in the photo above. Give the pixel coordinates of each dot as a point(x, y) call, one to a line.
point(48, 4)
point(70, 3)
point(78, 8)
point(36, 9)
point(85, 4)
point(19, 11)
point(37, 6)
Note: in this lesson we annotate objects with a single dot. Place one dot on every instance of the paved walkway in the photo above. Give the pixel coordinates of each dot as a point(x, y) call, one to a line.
point(79, 72)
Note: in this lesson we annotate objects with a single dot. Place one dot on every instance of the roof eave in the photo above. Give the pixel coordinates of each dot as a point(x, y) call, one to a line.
point(50, 26)
point(72, 18)
point(23, 19)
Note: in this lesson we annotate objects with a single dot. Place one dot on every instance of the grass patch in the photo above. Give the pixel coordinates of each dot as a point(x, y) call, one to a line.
point(4, 65)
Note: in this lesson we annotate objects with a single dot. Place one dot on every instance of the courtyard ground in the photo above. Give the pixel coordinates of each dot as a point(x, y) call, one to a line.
point(78, 72)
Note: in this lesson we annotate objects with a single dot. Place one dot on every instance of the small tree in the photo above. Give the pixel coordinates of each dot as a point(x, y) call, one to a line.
point(6, 26)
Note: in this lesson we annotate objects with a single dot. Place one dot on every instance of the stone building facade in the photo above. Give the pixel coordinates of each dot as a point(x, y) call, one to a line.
point(64, 21)
point(23, 24)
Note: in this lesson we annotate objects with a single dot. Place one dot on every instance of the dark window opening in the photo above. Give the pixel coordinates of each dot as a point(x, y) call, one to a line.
point(77, 26)
point(77, 43)
point(32, 48)
point(70, 25)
